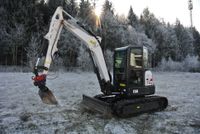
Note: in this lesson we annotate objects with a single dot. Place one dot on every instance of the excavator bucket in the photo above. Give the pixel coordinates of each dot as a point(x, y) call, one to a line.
point(47, 97)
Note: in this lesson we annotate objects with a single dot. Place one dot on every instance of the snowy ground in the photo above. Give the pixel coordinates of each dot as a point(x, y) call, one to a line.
point(21, 110)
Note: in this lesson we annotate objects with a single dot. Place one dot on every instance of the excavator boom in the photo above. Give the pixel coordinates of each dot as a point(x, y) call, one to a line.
point(92, 42)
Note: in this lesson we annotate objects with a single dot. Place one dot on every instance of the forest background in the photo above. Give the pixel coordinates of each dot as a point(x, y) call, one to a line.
point(23, 24)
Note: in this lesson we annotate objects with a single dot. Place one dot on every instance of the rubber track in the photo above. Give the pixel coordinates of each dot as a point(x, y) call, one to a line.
point(131, 107)
point(124, 107)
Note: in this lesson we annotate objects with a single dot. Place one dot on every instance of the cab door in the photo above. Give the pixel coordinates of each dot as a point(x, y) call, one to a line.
point(120, 69)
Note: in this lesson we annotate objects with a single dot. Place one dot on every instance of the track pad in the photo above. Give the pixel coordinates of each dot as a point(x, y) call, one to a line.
point(47, 97)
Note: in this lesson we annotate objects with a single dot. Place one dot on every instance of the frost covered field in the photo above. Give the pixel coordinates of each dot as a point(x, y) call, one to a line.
point(21, 110)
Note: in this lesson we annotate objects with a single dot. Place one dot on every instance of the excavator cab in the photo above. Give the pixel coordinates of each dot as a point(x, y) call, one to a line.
point(132, 82)
point(130, 71)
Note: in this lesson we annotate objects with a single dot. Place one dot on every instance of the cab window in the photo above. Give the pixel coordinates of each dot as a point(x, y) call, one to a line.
point(136, 58)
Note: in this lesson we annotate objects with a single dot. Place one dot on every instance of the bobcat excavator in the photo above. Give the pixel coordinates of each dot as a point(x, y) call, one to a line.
point(130, 91)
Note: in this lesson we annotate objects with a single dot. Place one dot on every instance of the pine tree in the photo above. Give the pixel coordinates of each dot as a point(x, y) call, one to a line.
point(132, 18)
point(87, 14)
point(53, 4)
point(110, 27)
point(71, 7)
point(196, 42)
point(149, 22)
point(108, 7)
point(185, 39)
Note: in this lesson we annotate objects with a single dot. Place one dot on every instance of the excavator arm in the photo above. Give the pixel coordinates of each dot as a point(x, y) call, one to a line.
point(60, 20)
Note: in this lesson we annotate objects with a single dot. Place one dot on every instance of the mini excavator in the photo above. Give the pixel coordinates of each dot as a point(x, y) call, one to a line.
point(132, 88)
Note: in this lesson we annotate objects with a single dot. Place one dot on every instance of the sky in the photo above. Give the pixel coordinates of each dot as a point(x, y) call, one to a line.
point(168, 10)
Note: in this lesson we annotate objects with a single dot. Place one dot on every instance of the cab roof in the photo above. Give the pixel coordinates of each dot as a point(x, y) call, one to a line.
point(127, 47)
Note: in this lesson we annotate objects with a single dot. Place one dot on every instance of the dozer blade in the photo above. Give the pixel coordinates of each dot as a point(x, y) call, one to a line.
point(96, 105)
point(47, 97)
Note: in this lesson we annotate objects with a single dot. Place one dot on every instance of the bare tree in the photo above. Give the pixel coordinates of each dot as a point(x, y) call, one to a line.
point(32, 50)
